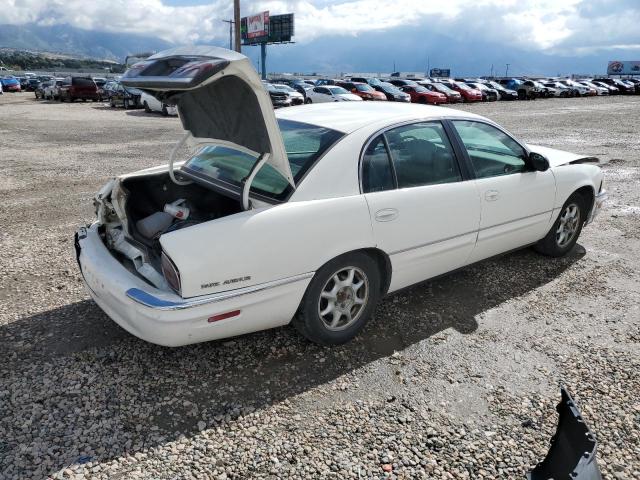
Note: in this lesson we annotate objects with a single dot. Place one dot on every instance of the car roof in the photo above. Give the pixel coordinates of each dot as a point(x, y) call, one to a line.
point(347, 117)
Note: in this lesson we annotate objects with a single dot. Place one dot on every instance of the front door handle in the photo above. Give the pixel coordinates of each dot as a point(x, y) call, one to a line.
point(491, 195)
point(386, 215)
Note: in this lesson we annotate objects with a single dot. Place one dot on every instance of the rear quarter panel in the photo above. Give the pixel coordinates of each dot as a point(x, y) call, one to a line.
point(267, 244)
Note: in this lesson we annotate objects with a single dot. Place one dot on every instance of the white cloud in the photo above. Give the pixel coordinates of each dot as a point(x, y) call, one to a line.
point(548, 25)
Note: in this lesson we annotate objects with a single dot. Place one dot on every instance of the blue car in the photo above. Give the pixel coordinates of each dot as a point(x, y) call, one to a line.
point(10, 84)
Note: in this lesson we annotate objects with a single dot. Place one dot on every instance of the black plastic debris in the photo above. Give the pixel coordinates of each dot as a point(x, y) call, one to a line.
point(572, 454)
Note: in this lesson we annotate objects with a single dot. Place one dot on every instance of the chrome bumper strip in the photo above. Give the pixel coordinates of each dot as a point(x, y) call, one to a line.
point(598, 202)
point(151, 301)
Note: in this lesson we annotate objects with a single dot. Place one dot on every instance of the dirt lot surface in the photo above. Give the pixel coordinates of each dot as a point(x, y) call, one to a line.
point(455, 378)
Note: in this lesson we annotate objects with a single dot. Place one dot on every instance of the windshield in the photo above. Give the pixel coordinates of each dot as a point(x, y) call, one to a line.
point(464, 86)
point(497, 86)
point(304, 144)
point(442, 88)
point(363, 87)
point(337, 90)
point(284, 88)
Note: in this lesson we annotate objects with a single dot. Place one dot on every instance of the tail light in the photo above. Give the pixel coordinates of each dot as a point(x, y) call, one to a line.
point(171, 274)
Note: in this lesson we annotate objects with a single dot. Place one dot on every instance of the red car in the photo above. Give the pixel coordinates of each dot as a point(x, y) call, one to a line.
point(468, 94)
point(363, 90)
point(420, 94)
point(78, 88)
point(452, 95)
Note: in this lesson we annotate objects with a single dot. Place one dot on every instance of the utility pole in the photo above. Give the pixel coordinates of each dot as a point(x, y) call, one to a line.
point(506, 73)
point(236, 21)
point(230, 22)
point(492, 70)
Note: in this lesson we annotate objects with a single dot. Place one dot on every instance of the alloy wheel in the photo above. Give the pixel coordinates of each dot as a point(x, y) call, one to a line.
point(568, 226)
point(343, 298)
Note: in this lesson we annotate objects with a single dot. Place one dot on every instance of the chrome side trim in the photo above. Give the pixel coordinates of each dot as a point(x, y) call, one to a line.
point(151, 301)
point(467, 233)
point(428, 244)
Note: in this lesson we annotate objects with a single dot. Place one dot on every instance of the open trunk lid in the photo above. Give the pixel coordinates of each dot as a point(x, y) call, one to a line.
point(219, 97)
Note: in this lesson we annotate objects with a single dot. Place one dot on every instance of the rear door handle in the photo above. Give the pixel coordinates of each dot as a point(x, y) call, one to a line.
point(491, 195)
point(386, 215)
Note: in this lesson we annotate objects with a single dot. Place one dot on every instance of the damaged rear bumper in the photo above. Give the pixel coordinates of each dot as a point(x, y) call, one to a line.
point(164, 318)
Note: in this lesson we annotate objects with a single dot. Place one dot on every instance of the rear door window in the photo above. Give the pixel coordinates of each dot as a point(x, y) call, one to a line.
point(377, 172)
point(422, 155)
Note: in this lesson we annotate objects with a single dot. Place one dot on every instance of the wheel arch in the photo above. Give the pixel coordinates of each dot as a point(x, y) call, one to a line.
point(382, 260)
point(588, 193)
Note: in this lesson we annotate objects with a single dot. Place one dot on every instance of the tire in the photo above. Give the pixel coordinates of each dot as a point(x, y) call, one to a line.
point(571, 219)
point(125, 104)
point(308, 101)
point(164, 111)
point(146, 107)
point(308, 320)
point(112, 103)
point(422, 101)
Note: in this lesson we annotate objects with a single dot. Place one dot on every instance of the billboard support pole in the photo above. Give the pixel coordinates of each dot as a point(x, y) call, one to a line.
point(263, 59)
point(236, 19)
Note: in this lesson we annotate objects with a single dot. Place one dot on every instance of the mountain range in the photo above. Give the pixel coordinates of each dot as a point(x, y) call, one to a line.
point(84, 43)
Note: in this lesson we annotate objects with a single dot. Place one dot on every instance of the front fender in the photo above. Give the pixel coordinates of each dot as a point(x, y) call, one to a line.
point(263, 245)
point(570, 178)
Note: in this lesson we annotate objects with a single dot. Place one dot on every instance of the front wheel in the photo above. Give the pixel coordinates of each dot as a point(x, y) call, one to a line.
point(164, 111)
point(566, 229)
point(146, 107)
point(340, 299)
point(125, 104)
point(308, 101)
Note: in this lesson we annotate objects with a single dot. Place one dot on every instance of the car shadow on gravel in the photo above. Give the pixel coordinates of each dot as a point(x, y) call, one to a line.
point(81, 369)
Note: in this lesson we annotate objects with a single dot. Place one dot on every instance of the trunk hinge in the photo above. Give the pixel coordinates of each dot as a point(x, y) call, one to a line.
point(246, 182)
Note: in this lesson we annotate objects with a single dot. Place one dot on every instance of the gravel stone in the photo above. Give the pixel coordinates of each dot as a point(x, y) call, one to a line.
point(454, 378)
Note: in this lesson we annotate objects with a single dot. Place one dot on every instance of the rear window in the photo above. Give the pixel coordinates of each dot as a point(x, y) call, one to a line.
point(82, 82)
point(304, 144)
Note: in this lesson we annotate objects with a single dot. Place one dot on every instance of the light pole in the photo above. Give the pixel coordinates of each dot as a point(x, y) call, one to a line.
point(236, 21)
point(230, 22)
point(506, 73)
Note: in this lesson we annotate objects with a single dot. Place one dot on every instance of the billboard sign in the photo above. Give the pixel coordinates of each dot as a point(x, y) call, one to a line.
point(623, 68)
point(440, 72)
point(281, 28)
point(258, 25)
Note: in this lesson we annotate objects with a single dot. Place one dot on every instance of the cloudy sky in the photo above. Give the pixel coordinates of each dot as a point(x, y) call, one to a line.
point(372, 34)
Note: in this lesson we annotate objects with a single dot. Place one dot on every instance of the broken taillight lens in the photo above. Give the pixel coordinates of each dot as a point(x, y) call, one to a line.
point(170, 272)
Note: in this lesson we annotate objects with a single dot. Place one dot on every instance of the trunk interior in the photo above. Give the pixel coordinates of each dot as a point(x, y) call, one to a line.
point(148, 195)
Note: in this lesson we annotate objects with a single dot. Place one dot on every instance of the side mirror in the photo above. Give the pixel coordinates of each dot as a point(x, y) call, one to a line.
point(538, 162)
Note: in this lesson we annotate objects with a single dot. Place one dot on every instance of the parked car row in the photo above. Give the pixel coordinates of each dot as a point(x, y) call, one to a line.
point(97, 89)
point(438, 91)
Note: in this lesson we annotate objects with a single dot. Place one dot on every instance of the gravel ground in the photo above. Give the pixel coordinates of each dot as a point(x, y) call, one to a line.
point(455, 378)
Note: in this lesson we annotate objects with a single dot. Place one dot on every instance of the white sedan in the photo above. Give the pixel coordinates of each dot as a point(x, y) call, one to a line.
point(330, 93)
point(152, 104)
point(311, 215)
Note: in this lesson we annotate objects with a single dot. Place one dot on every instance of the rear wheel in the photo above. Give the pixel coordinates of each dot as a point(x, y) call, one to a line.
point(340, 299)
point(126, 103)
point(164, 111)
point(112, 103)
point(308, 100)
point(566, 229)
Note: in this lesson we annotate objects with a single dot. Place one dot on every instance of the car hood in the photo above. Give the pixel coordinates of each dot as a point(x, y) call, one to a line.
point(219, 97)
point(560, 157)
